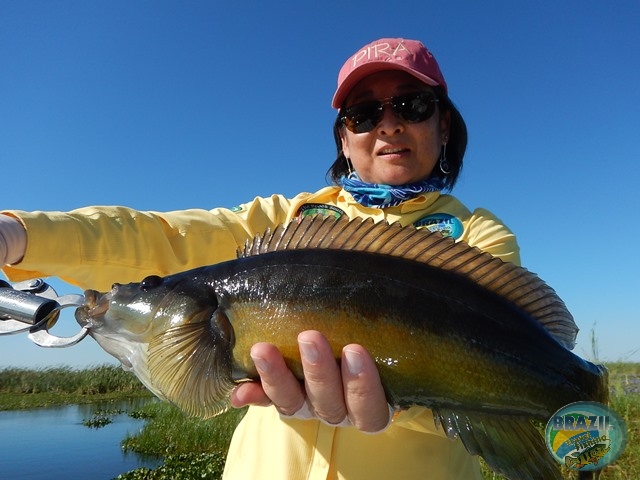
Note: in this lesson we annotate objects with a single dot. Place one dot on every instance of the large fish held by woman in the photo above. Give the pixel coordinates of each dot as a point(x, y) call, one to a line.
point(483, 343)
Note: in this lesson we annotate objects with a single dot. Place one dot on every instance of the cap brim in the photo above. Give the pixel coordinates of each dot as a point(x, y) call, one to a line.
point(370, 68)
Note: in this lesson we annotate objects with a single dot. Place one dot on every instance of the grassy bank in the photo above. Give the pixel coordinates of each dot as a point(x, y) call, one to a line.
point(22, 388)
point(197, 449)
point(191, 448)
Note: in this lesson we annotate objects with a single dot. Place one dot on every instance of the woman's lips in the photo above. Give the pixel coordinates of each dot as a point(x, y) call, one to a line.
point(390, 151)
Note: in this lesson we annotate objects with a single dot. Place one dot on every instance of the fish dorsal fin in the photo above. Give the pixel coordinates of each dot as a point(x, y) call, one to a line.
point(520, 286)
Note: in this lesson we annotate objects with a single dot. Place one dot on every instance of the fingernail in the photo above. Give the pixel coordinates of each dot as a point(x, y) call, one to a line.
point(354, 362)
point(261, 364)
point(309, 351)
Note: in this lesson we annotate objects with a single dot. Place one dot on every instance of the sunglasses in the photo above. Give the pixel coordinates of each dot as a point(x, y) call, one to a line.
point(412, 108)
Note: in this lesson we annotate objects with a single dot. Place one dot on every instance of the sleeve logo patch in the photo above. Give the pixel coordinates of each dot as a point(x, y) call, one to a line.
point(444, 223)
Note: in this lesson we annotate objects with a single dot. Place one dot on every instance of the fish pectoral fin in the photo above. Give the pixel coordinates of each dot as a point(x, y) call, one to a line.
point(191, 365)
point(511, 446)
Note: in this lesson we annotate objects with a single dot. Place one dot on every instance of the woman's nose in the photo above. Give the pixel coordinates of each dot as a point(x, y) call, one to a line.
point(390, 122)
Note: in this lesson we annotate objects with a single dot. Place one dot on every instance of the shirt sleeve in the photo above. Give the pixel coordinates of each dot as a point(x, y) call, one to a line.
point(94, 247)
point(485, 231)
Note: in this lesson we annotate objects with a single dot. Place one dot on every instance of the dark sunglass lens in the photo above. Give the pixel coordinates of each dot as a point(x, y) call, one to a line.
point(415, 108)
point(363, 117)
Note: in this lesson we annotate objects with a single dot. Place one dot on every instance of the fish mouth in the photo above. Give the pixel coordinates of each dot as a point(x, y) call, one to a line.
point(96, 304)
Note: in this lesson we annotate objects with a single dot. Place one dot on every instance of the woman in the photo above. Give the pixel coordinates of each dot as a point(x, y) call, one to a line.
point(400, 143)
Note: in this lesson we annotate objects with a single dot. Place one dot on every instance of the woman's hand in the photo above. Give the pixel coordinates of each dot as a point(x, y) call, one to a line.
point(13, 240)
point(333, 392)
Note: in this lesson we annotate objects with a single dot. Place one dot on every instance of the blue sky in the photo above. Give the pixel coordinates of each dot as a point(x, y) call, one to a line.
point(162, 105)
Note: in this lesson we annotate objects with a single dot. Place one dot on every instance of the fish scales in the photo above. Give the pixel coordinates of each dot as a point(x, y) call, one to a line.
point(483, 343)
point(421, 324)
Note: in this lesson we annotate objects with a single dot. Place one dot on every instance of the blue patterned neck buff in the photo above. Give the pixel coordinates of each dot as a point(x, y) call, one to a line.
point(381, 196)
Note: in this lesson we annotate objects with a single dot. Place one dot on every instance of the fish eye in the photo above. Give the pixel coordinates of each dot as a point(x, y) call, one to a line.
point(150, 282)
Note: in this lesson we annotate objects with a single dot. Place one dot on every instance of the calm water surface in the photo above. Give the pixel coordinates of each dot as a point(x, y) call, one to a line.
point(52, 443)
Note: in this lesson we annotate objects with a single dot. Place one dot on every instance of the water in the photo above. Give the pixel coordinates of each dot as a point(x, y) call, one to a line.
point(52, 443)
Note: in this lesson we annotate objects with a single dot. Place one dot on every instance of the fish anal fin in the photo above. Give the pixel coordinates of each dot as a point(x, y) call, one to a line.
point(190, 364)
point(511, 446)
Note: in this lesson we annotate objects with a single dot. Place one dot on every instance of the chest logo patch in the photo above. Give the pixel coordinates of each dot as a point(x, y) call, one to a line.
point(319, 209)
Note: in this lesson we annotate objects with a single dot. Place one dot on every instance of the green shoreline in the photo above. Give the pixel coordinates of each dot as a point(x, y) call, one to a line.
point(192, 448)
point(27, 401)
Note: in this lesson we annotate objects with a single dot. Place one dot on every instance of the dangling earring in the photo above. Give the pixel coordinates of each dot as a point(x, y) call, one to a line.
point(445, 167)
point(350, 168)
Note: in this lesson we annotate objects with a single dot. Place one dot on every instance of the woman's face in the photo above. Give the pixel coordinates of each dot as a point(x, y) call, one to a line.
point(395, 152)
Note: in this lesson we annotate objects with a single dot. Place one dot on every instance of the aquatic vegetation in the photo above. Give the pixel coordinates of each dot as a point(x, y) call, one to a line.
point(169, 431)
point(22, 388)
point(198, 447)
point(101, 418)
point(98, 420)
point(181, 467)
point(90, 381)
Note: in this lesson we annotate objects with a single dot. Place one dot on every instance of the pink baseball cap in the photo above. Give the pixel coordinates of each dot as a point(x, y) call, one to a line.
point(409, 56)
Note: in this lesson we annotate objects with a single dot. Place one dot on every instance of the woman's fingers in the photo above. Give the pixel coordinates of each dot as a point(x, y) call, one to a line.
point(364, 396)
point(331, 392)
point(278, 382)
point(322, 377)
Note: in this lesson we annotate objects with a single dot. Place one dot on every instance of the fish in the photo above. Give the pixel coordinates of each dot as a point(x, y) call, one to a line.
point(485, 344)
point(591, 455)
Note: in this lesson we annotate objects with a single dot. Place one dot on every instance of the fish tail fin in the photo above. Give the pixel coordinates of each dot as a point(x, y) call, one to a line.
point(594, 380)
point(512, 447)
point(602, 395)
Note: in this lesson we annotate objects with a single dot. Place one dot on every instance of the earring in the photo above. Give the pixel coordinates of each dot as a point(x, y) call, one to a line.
point(350, 168)
point(445, 167)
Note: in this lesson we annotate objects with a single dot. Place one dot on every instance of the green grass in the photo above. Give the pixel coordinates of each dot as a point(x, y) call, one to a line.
point(191, 448)
point(169, 431)
point(22, 388)
point(182, 467)
point(91, 381)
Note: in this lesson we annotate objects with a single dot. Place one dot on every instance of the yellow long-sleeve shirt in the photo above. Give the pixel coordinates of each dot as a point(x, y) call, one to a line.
point(96, 246)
